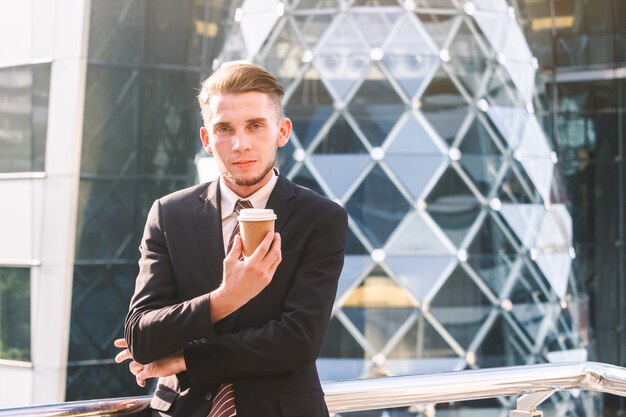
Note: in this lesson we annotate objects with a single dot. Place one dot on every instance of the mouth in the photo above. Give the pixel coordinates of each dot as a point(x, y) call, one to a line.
point(245, 163)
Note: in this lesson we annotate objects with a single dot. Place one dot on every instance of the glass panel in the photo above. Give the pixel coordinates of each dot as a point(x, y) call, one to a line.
point(436, 3)
point(340, 171)
point(376, 107)
point(585, 49)
point(525, 221)
point(306, 179)
point(354, 246)
point(422, 341)
point(312, 27)
point(502, 347)
point(87, 381)
point(100, 298)
point(116, 30)
point(490, 239)
point(40, 99)
point(514, 191)
point(375, 27)
point(494, 27)
point(375, 2)
point(417, 172)
point(468, 60)
point(481, 158)
point(377, 207)
point(556, 268)
point(340, 139)
point(309, 107)
point(453, 206)
point(15, 314)
point(509, 122)
point(421, 275)
point(540, 172)
point(378, 308)
point(414, 138)
point(24, 95)
point(354, 269)
point(315, 4)
point(444, 107)
point(344, 59)
point(169, 134)
point(501, 89)
point(111, 215)
point(284, 56)
point(174, 31)
point(438, 26)
point(493, 269)
point(284, 158)
point(411, 57)
point(417, 235)
point(461, 307)
point(111, 122)
point(339, 343)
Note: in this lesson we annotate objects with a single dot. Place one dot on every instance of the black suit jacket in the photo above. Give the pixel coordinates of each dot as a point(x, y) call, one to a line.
point(268, 347)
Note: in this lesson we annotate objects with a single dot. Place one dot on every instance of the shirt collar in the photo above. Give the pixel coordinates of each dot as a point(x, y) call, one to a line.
point(258, 199)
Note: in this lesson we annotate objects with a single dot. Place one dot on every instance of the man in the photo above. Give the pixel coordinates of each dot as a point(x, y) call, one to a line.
point(210, 323)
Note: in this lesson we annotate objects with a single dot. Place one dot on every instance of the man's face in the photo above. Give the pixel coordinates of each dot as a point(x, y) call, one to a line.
point(243, 134)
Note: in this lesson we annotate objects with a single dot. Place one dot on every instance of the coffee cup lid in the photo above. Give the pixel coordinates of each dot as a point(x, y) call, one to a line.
point(257, 215)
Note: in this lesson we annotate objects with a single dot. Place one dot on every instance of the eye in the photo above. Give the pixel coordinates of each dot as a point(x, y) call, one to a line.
point(222, 130)
point(255, 126)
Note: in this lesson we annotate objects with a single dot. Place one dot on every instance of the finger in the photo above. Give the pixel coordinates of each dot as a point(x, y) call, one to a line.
point(123, 355)
point(263, 247)
point(135, 367)
point(274, 253)
point(141, 382)
point(120, 343)
point(235, 251)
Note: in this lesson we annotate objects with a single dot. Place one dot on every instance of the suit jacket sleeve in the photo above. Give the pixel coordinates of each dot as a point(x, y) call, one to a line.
point(158, 323)
point(294, 339)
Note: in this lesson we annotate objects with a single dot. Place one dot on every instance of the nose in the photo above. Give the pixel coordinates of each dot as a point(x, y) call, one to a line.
point(241, 142)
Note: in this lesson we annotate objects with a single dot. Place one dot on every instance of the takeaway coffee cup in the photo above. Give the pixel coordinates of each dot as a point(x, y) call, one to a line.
point(253, 226)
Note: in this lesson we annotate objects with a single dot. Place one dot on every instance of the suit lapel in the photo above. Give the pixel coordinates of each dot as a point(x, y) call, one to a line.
point(209, 227)
point(279, 202)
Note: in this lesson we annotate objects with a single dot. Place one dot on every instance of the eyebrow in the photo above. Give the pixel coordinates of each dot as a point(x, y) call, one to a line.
point(253, 120)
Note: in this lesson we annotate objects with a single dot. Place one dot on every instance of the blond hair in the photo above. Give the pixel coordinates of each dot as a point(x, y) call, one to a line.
point(238, 77)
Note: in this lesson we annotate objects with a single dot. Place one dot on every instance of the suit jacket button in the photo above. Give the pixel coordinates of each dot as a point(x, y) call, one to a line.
point(208, 396)
point(204, 340)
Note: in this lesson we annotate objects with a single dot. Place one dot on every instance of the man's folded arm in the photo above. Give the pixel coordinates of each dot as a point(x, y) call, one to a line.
point(158, 324)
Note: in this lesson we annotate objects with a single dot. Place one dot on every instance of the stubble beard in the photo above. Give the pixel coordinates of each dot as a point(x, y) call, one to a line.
point(243, 182)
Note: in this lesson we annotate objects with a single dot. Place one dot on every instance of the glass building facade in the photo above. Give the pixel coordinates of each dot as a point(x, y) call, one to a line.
point(478, 147)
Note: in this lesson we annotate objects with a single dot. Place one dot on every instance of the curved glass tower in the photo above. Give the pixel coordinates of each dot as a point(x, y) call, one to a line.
point(419, 118)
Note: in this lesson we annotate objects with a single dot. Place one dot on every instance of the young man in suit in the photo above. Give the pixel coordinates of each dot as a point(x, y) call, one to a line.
point(229, 335)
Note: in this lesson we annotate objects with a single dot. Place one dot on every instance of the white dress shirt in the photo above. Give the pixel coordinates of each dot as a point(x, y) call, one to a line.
point(229, 199)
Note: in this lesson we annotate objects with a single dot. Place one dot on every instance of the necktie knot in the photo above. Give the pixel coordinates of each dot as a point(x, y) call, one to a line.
point(242, 204)
point(239, 205)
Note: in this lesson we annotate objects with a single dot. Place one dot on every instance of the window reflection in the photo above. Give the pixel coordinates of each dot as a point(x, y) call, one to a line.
point(15, 314)
point(24, 95)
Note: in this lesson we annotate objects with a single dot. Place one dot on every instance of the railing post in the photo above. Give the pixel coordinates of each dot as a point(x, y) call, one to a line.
point(527, 404)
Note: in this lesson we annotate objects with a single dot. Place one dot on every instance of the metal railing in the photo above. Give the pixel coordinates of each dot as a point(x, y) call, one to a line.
point(535, 383)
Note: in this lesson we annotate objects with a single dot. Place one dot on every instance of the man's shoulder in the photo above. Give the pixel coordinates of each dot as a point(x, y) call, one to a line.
point(193, 194)
point(306, 197)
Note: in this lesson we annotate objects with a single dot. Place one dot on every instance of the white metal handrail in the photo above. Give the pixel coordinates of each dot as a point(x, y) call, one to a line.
point(534, 383)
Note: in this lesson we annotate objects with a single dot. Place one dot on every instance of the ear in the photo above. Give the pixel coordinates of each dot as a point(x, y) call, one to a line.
point(284, 132)
point(204, 137)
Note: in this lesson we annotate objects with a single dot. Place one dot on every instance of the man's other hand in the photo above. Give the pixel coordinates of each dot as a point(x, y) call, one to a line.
point(169, 365)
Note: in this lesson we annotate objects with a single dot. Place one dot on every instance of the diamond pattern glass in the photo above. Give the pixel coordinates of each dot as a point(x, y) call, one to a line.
point(415, 116)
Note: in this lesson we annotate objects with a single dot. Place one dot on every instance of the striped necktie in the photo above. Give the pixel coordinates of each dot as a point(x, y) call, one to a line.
point(239, 205)
point(224, 401)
